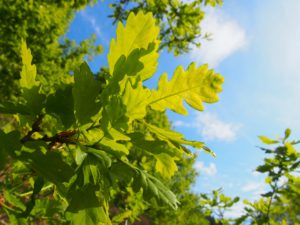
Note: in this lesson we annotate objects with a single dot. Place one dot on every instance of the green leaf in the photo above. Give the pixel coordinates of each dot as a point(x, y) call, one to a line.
point(267, 140)
point(85, 93)
point(135, 99)
point(287, 133)
point(264, 168)
point(15, 220)
point(91, 173)
point(9, 143)
point(120, 217)
point(113, 145)
point(90, 216)
point(38, 185)
point(92, 136)
point(13, 108)
point(28, 73)
point(101, 155)
point(172, 138)
point(152, 146)
point(140, 32)
point(114, 114)
point(84, 207)
point(14, 200)
point(165, 165)
point(61, 104)
point(195, 86)
point(118, 135)
point(153, 187)
point(35, 101)
point(48, 164)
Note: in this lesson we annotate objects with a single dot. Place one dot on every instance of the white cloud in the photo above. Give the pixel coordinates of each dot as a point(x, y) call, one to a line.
point(256, 174)
point(256, 188)
point(235, 211)
point(179, 123)
point(227, 37)
point(210, 170)
point(211, 127)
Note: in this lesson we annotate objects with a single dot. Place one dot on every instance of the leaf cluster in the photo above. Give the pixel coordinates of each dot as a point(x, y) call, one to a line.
point(87, 138)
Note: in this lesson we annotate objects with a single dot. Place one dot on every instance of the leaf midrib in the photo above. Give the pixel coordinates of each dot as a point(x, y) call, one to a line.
point(175, 93)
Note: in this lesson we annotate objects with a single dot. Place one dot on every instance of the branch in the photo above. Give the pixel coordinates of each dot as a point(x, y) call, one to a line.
point(34, 128)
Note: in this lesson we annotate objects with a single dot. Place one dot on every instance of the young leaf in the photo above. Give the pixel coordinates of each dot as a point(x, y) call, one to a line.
point(155, 188)
point(140, 31)
point(28, 73)
point(165, 165)
point(135, 99)
point(195, 85)
point(113, 145)
point(287, 133)
point(267, 140)
point(172, 137)
point(85, 92)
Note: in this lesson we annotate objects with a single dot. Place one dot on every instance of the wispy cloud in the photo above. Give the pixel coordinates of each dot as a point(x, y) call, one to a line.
point(209, 170)
point(227, 36)
point(235, 211)
point(94, 24)
point(211, 127)
point(253, 186)
point(256, 188)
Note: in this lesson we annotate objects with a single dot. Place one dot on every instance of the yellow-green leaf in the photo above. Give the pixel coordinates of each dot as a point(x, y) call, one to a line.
point(195, 86)
point(28, 73)
point(140, 32)
point(135, 100)
point(173, 138)
point(267, 140)
point(165, 165)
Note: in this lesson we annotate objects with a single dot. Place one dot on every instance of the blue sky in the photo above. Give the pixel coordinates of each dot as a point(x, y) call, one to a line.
point(256, 47)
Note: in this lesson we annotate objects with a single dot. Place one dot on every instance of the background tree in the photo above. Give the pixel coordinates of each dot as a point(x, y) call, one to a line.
point(42, 24)
point(179, 20)
point(280, 204)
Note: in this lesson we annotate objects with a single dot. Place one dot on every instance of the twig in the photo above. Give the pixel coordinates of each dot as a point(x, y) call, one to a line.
point(34, 128)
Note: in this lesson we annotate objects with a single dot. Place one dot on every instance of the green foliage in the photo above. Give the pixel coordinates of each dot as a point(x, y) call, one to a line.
point(280, 204)
point(216, 205)
point(178, 20)
point(190, 211)
point(41, 24)
point(188, 86)
point(101, 140)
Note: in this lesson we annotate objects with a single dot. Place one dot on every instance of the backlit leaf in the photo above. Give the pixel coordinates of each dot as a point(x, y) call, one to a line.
point(195, 86)
point(140, 32)
point(165, 165)
point(267, 140)
point(135, 99)
point(28, 73)
point(85, 93)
